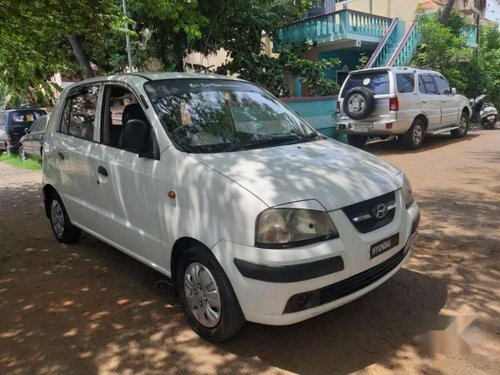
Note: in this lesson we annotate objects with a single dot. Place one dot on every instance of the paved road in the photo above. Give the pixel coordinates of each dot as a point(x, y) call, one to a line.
point(88, 308)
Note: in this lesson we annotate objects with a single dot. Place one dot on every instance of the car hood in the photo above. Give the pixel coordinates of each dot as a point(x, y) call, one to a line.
point(330, 172)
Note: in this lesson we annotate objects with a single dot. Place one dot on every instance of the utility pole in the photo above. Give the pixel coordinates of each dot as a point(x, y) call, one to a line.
point(371, 6)
point(127, 39)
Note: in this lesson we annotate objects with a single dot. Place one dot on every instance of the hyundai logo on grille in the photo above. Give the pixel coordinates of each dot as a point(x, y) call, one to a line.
point(379, 211)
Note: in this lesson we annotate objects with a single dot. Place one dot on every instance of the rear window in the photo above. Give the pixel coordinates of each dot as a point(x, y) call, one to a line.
point(405, 82)
point(378, 82)
point(24, 117)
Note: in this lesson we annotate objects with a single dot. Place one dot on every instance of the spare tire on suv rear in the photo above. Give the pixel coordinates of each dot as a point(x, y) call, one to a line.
point(359, 103)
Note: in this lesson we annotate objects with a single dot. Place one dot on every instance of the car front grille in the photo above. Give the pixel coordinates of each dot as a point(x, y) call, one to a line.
point(345, 287)
point(361, 280)
point(363, 215)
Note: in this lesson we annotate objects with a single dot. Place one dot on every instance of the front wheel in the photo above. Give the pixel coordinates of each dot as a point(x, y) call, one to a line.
point(210, 305)
point(357, 140)
point(22, 154)
point(414, 137)
point(64, 230)
point(463, 127)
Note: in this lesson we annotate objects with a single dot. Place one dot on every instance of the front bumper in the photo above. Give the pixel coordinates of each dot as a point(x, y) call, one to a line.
point(268, 281)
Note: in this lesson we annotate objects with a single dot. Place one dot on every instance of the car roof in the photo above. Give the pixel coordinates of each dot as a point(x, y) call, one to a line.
point(397, 69)
point(154, 76)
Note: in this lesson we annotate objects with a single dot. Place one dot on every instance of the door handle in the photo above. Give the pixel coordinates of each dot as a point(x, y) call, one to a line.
point(424, 101)
point(102, 171)
point(60, 155)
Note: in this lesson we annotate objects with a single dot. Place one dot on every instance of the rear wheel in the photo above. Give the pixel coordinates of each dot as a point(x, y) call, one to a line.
point(414, 137)
point(210, 305)
point(357, 140)
point(64, 230)
point(463, 127)
point(22, 154)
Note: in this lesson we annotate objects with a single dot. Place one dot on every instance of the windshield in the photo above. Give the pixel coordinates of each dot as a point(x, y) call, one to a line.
point(211, 115)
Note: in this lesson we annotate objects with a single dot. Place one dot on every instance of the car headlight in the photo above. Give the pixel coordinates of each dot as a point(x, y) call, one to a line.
point(407, 192)
point(290, 227)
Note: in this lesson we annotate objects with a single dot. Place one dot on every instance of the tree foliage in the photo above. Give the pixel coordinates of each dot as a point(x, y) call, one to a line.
point(471, 71)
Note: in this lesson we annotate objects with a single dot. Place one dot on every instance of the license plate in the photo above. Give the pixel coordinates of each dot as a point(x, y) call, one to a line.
point(363, 124)
point(384, 245)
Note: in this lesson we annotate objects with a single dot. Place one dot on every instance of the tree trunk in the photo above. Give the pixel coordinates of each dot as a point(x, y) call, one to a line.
point(445, 14)
point(80, 56)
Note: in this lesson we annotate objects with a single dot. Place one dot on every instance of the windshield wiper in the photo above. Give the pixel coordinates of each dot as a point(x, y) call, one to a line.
point(276, 141)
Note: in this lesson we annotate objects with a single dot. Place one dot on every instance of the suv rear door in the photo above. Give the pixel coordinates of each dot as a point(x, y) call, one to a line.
point(378, 81)
point(430, 100)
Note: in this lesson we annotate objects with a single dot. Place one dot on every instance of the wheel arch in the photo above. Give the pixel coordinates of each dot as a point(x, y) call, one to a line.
point(424, 119)
point(467, 111)
point(180, 246)
point(47, 191)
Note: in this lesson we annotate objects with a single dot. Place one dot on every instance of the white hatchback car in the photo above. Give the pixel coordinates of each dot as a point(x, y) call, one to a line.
point(215, 183)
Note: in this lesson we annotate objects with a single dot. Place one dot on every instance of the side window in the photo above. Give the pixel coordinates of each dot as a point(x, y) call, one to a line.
point(405, 82)
point(120, 107)
point(426, 85)
point(35, 126)
point(80, 113)
point(443, 85)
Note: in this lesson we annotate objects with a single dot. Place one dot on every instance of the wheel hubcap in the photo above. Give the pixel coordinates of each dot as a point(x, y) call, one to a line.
point(57, 218)
point(417, 134)
point(356, 103)
point(23, 154)
point(202, 294)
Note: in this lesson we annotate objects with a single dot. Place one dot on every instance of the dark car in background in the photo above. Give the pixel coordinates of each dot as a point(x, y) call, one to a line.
point(31, 144)
point(13, 125)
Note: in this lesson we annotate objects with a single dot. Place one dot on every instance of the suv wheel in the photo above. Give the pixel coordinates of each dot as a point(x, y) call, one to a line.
point(357, 140)
point(463, 127)
point(208, 300)
point(414, 137)
point(64, 230)
point(22, 154)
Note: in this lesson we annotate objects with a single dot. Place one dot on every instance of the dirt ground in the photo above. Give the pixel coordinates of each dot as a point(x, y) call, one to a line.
point(88, 308)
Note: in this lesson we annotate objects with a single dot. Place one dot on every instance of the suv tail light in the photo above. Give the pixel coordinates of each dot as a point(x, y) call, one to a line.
point(338, 105)
point(394, 104)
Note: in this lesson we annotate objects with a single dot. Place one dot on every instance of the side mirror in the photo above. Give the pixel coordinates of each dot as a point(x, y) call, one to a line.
point(453, 91)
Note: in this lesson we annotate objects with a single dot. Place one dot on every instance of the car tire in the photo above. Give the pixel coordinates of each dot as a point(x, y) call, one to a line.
point(357, 140)
point(64, 230)
point(414, 137)
point(359, 103)
point(199, 275)
point(463, 127)
point(22, 154)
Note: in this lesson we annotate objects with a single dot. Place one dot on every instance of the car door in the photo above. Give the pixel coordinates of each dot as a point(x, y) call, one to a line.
point(450, 104)
point(70, 149)
point(37, 140)
point(430, 100)
point(127, 214)
point(28, 138)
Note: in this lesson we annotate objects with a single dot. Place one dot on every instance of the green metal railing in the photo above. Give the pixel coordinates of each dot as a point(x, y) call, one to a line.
point(407, 47)
point(387, 46)
point(343, 24)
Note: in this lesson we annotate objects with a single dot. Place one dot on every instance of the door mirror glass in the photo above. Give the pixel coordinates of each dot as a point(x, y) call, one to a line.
point(453, 91)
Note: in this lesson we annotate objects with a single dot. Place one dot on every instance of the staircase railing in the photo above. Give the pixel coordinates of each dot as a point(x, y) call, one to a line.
point(383, 47)
point(407, 47)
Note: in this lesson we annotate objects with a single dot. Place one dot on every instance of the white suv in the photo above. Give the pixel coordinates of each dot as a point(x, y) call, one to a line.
point(213, 182)
point(405, 102)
